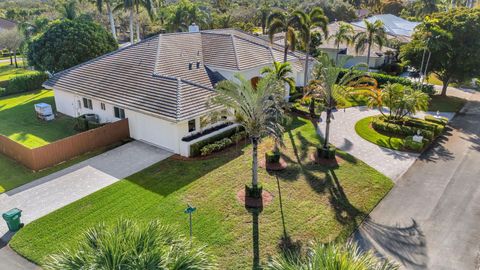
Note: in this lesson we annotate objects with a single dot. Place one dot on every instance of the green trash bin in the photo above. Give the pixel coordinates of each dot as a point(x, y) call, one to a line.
point(12, 217)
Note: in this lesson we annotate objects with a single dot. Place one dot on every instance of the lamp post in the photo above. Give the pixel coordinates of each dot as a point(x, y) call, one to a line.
point(189, 210)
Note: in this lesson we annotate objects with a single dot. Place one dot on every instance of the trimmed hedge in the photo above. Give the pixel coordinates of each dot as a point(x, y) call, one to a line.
point(382, 78)
point(24, 83)
point(216, 146)
point(410, 144)
point(195, 148)
point(380, 125)
point(272, 157)
point(439, 121)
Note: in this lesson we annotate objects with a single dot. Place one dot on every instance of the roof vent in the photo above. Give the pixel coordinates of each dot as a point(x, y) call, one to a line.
point(193, 28)
point(190, 66)
point(198, 64)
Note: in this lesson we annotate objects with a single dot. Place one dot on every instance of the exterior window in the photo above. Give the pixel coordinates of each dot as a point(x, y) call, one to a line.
point(102, 106)
point(87, 103)
point(119, 113)
point(191, 125)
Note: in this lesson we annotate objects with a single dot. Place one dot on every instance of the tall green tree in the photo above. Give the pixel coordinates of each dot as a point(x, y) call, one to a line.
point(257, 109)
point(453, 39)
point(305, 23)
point(344, 35)
point(279, 22)
point(374, 34)
point(330, 82)
point(68, 43)
point(12, 39)
point(332, 257)
point(128, 245)
point(111, 19)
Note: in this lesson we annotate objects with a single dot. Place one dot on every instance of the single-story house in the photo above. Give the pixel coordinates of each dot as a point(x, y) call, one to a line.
point(398, 27)
point(162, 84)
point(378, 56)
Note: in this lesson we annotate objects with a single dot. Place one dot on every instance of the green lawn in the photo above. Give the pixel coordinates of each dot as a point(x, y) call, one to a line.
point(18, 121)
point(13, 174)
point(7, 71)
point(446, 104)
point(365, 131)
point(318, 202)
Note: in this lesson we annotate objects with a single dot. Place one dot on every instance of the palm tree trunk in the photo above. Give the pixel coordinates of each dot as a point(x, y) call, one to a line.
point(112, 20)
point(285, 50)
point(255, 163)
point(327, 127)
point(15, 56)
point(336, 57)
point(131, 25)
point(368, 55)
point(138, 25)
point(305, 75)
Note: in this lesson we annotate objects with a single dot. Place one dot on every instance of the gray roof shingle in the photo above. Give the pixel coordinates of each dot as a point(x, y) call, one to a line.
point(154, 75)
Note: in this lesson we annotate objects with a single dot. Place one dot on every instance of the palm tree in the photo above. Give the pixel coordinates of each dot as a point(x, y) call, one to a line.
point(332, 257)
point(257, 109)
point(374, 34)
point(128, 245)
point(305, 22)
point(69, 10)
point(128, 5)
point(344, 34)
point(133, 7)
point(282, 22)
point(263, 14)
point(282, 72)
point(329, 83)
point(111, 19)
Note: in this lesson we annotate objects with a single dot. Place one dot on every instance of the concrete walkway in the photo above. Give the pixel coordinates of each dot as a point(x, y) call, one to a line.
point(47, 194)
point(390, 162)
point(430, 219)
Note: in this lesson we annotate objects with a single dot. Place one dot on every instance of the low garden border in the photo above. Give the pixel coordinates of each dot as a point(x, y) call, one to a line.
point(67, 148)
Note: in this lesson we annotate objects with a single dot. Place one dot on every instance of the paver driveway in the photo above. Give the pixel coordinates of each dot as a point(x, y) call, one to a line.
point(45, 195)
point(431, 218)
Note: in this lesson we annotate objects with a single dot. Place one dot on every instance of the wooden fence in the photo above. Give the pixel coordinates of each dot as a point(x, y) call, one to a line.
point(67, 148)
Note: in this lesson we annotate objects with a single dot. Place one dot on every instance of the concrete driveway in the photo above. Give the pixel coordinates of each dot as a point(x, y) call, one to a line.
point(47, 194)
point(431, 218)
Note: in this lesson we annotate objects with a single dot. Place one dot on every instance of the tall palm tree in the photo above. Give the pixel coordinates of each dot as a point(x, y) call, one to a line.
point(305, 23)
point(374, 34)
point(111, 19)
point(128, 5)
point(282, 22)
point(330, 82)
point(332, 257)
point(282, 72)
point(133, 7)
point(263, 14)
point(128, 245)
point(257, 109)
point(344, 34)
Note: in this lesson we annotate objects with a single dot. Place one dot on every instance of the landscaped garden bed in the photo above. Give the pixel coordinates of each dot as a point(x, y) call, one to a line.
point(407, 134)
point(321, 202)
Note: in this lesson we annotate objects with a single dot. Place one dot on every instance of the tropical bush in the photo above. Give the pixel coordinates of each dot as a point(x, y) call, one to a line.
point(381, 125)
point(410, 144)
point(332, 257)
point(437, 120)
point(24, 83)
point(195, 148)
point(128, 245)
point(428, 89)
point(216, 146)
point(272, 157)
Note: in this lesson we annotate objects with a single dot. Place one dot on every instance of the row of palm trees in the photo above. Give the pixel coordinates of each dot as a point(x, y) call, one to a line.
point(299, 26)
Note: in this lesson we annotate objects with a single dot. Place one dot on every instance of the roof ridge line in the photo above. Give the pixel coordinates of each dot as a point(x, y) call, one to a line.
point(232, 36)
point(179, 98)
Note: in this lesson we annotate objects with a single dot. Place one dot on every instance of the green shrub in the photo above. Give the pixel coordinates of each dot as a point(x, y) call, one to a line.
point(238, 136)
point(410, 144)
point(328, 153)
point(295, 96)
point(420, 123)
point(383, 78)
point(25, 83)
point(216, 146)
point(440, 120)
point(272, 157)
point(401, 130)
point(195, 147)
point(428, 89)
point(2, 91)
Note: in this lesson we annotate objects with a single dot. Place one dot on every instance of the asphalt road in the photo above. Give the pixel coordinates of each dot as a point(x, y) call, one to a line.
point(431, 218)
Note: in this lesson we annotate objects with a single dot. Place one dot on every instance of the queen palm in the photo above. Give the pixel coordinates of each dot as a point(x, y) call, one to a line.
point(282, 72)
point(330, 82)
point(283, 22)
point(374, 34)
point(305, 22)
point(344, 34)
point(128, 245)
point(108, 5)
point(133, 7)
point(257, 109)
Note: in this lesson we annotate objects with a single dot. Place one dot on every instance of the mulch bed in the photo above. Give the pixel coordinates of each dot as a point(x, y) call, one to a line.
point(280, 165)
point(326, 162)
point(266, 199)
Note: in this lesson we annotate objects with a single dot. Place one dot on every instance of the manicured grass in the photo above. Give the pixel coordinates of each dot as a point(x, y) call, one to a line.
point(13, 174)
point(7, 71)
point(365, 131)
point(446, 104)
point(19, 123)
point(318, 202)
point(352, 101)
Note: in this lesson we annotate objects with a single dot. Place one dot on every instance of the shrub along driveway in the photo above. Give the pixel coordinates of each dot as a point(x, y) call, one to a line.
point(316, 202)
